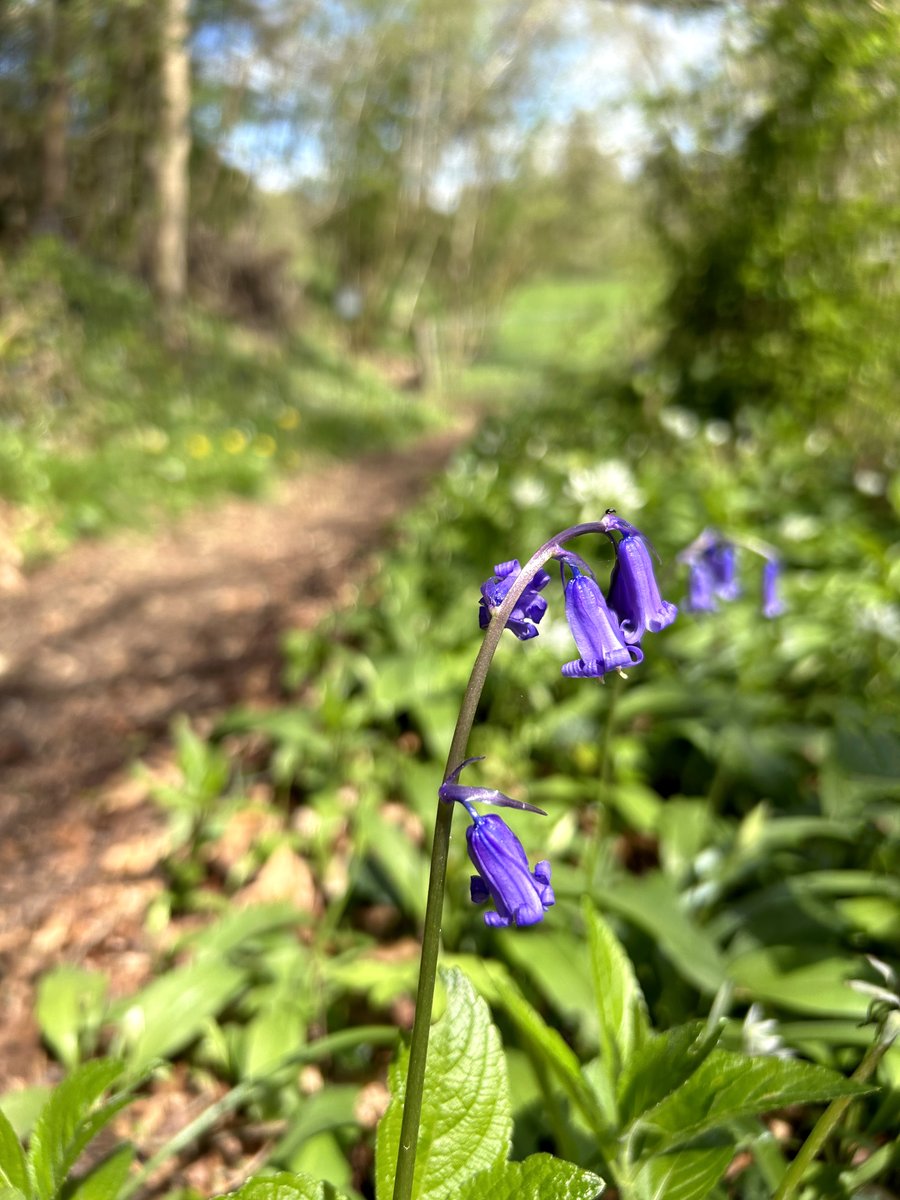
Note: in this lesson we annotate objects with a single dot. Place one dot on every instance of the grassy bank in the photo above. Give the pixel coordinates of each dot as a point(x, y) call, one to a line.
point(109, 421)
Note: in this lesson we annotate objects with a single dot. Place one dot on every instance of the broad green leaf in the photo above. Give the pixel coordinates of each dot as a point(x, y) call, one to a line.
point(240, 926)
point(23, 1106)
point(13, 1171)
point(172, 1010)
point(286, 1186)
point(661, 1065)
point(324, 1157)
point(621, 1008)
point(69, 999)
point(689, 1174)
point(555, 961)
point(466, 1115)
point(402, 863)
point(731, 1085)
point(105, 1181)
point(540, 1177)
point(542, 1039)
point(11, 1193)
point(654, 905)
point(68, 1122)
point(330, 1108)
point(817, 987)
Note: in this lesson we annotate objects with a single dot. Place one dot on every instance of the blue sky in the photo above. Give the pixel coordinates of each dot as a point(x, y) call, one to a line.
point(610, 53)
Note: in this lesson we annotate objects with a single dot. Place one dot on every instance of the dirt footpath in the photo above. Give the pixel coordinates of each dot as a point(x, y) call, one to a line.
point(102, 648)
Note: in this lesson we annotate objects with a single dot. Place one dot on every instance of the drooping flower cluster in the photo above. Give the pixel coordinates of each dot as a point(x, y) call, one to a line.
point(711, 560)
point(607, 630)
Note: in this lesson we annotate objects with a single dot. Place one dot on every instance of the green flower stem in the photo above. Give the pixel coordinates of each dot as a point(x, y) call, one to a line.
point(431, 935)
point(373, 1035)
point(827, 1123)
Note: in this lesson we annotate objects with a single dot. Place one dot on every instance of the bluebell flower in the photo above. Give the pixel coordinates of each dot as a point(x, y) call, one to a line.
point(701, 588)
point(712, 571)
point(597, 632)
point(772, 604)
point(633, 593)
point(722, 560)
point(531, 606)
point(520, 896)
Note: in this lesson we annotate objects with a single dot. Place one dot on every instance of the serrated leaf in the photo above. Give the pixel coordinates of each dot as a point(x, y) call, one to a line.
point(286, 1186)
point(730, 1085)
point(13, 1171)
point(172, 1010)
point(466, 1114)
point(539, 1177)
point(661, 1065)
point(689, 1174)
point(621, 1009)
point(105, 1181)
point(68, 1122)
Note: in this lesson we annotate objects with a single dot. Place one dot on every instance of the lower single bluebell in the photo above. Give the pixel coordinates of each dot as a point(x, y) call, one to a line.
point(520, 896)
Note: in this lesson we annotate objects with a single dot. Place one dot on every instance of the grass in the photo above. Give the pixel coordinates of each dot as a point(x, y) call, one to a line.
point(108, 422)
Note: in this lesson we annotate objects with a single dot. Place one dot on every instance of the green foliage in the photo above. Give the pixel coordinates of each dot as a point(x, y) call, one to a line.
point(778, 221)
point(106, 422)
point(72, 1117)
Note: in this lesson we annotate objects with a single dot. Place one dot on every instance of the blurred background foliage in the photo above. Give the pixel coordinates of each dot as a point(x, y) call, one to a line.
point(699, 330)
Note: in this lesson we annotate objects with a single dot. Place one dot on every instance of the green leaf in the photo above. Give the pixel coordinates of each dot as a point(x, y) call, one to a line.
point(541, 1039)
point(653, 904)
point(11, 1193)
point(553, 959)
point(172, 1010)
point(540, 1177)
point(286, 1186)
point(689, 1174)
point(68, 1122)
point(69, 999)
point(621, 1008)
point(466, 1115)
point(13, 1171)
point(241, 926)
point(816, 987)
point(105, 1181)
point(730, 1085)
point(661, 1065)
point(331, 1108)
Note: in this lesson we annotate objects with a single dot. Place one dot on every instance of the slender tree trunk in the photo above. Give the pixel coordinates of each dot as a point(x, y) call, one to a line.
point(54, 162)
point(173, 149)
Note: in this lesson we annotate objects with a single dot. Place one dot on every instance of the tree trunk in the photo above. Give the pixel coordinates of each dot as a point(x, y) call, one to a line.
point(54, 163)
point(173, 149)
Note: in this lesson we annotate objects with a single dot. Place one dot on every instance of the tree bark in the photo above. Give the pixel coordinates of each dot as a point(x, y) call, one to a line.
point(54, 162)
point(173, 150)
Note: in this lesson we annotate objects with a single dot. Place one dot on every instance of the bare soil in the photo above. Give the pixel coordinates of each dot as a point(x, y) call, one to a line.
point(99, 651)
